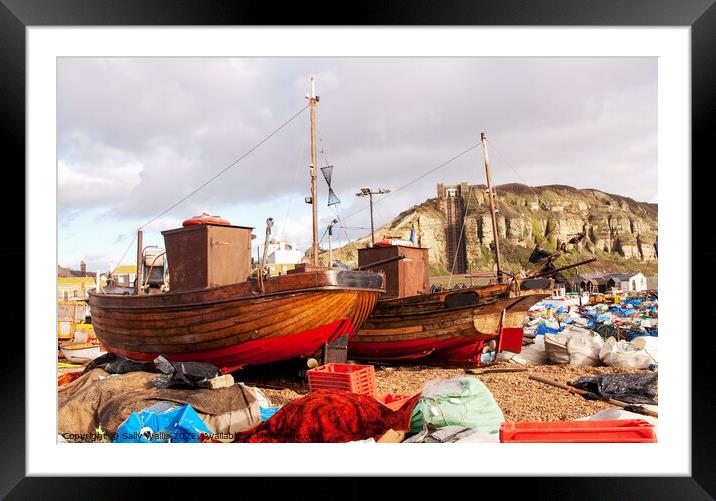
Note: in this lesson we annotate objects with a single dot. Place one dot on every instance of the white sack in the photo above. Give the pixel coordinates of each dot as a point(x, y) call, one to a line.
point(624, 355)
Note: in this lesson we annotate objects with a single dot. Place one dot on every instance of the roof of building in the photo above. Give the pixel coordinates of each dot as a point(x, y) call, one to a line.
point(622, 276)
point(74, 280)
point(125, 268)
point(595, 276)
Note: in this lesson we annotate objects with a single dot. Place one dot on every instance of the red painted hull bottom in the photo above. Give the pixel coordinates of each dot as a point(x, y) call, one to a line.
point(258, 351)
point(458, 350)
point(455, 350)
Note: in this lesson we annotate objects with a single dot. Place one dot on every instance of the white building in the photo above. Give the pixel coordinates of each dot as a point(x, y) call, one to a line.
point(281, 256)
point(627, 282)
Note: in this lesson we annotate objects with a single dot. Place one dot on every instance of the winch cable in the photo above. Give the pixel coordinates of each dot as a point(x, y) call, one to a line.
point(222, 171)
point(446, 162)
point(504, 160)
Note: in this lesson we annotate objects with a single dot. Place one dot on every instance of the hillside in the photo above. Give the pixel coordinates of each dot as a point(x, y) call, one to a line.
point(620, 231)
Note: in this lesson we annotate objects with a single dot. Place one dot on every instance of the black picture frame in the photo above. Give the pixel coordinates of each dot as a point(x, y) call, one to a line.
point(700, 15)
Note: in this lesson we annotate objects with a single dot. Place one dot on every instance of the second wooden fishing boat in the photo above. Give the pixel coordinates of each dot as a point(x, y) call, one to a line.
point(412, 323)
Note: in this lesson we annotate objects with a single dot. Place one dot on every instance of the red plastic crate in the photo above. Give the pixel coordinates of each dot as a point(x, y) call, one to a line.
point(618, 430)
point(391, 400)
point(350, 377)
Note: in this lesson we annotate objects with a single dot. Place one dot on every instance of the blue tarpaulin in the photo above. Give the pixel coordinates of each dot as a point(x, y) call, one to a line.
point(267, 412)
point(162, 422)
point(543, 329)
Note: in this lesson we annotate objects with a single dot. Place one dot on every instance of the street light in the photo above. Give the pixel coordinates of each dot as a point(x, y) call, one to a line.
point(367, 192)
point(330, 245)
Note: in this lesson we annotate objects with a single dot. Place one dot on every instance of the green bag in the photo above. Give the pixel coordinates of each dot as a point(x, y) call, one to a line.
point(463, 401)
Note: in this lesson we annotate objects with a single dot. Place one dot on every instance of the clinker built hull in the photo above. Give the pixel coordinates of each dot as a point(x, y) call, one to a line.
point(450, 326)
point(237, 325)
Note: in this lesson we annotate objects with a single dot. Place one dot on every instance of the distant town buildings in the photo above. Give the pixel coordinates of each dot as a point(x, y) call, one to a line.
point(602, 282)
point(281, 256)
point(74, 287)
point(125, 275)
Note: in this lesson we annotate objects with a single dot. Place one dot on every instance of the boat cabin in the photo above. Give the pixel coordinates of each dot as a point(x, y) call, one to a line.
point(404, 276)
point(207, 255)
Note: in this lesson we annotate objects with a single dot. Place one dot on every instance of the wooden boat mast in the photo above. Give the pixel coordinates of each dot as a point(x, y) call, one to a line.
point(491, 199)
point(312, 101)
point(140, 265)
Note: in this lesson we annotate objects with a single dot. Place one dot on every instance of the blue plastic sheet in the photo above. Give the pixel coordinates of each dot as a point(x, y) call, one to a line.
point(162, 422)
point(543, 329)
point(267, 412)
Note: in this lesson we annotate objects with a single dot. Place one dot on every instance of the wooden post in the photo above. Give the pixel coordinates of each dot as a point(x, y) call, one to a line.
point(138, 286)
point(330, 246)
point(312, 100)
point(269, 224)
point(372, 230)
point(491, 199)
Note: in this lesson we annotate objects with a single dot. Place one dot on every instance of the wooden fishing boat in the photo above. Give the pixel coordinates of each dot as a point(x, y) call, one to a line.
point(236, 325)
point(453, 326)
point(210, 309)
point(464, 325)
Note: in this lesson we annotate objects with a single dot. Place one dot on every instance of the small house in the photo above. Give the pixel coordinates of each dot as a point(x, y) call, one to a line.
point(627, 282)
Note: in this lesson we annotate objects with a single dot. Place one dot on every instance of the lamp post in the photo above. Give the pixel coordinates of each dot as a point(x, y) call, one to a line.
point(367, 192)
point(330, 242)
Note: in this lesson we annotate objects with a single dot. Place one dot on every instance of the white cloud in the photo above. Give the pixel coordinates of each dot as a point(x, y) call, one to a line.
point(137, 135)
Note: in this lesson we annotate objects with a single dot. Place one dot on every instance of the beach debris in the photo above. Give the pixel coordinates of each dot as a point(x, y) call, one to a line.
point(96, 398)
point(447, 434)
point(630, 388)
point(223, 381)
point(628, 355)
point(184, 374)
point(162, 422)
point(614, 413)
point(463, 401)
point(594, 396)
point(117, 364)
point(392, 437)
point(331, 416)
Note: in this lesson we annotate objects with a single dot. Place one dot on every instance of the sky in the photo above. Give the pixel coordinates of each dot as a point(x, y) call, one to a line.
point(137, 135)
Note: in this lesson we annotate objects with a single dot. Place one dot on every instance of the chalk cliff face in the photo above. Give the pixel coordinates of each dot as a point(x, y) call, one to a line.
point(618, 230)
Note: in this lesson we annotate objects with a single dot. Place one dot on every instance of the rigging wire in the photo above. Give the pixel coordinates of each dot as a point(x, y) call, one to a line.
point(450, 160)
point(293, 188)
point(513, 169)
point(232, 164)
point(123, 255)
point(340, 206)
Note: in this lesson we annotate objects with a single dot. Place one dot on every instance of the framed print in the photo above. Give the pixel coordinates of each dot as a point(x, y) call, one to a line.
point(180, 137)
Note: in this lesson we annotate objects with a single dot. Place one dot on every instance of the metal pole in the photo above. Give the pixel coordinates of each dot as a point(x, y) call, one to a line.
point(269, 224)
point(491, 199)
point(330, 247)
point(138, 286)
point(372, 234)
point(314, 183)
